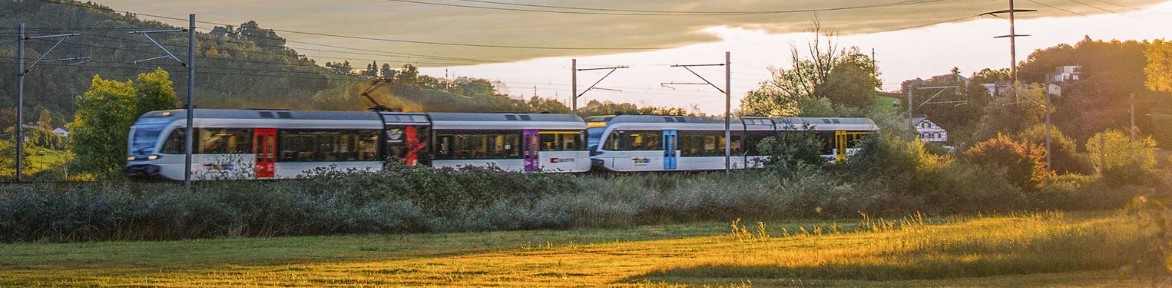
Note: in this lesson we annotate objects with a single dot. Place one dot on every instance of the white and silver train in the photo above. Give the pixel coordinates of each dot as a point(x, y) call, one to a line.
point(282, 144)
point(268, 144)
point(628, 143)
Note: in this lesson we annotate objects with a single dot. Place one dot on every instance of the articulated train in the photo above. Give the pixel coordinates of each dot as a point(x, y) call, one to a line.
point(275, 144)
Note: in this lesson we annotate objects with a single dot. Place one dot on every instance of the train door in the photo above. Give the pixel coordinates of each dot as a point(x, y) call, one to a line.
point(530, 141)
point(265, 148)
point(670, 147)
point(407, 144)
point(840, 146)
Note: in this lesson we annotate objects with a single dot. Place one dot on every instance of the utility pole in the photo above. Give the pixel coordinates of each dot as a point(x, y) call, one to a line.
point(1047, 107)
point(1132, 111)
point(574, 78)
point(727, 103)
point(190, 106)
point(21, 71)
point(574, 86)
point(1012, 39)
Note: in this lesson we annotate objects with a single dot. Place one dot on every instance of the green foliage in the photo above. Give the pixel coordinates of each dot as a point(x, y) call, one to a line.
point(1007, 115)
point(1159, 67)
point(844, 77)
point(790, 149)
point(154, 92)
point(1064, 156)
point(41, 137)
point(537, 104)
point(904, 177)
point(594, 107)
point(99, 131)
point(1024, 162)
point(1121, 160)
point(1100, 100)
point(105, 113)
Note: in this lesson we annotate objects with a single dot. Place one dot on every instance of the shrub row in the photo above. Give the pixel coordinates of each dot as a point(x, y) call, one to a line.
point(894, 179)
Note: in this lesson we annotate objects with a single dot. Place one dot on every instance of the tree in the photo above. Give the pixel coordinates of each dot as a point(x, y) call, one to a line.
point(1023, 161)
point(407, 74)
point(847, 78)
point(1007, 116)
point(7, 121)
point(387, 72)
point(45, 120)
point(792, 148)
point(1119, 159)
point(538, 104)
point(1064, 156)
point(101, 126)
point(1159, 67)
point(154, 91)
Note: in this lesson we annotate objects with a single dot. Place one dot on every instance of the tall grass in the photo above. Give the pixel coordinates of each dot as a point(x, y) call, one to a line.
point(406, 200)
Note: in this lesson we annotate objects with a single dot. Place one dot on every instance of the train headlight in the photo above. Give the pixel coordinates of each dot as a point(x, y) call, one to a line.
point(130, 158)
point(152, 157)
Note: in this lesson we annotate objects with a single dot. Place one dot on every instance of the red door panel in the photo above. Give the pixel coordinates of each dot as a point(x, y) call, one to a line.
point(265, 148)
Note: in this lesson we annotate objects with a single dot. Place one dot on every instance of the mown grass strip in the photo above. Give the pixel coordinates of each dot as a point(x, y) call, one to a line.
point(991, 250)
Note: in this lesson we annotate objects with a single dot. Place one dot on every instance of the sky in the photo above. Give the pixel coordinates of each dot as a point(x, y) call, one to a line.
point(528, 44)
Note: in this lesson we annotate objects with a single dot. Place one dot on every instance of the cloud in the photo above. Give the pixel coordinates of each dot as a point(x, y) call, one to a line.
point(577, 28)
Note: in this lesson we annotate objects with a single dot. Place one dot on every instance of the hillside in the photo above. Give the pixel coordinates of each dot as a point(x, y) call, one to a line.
point(237, 66)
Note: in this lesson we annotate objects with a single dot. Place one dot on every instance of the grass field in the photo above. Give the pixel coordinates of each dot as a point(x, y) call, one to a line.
point(1038, 249)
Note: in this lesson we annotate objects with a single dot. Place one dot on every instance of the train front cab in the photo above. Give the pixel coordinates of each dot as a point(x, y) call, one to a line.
point(252, 144)
point(628, 143)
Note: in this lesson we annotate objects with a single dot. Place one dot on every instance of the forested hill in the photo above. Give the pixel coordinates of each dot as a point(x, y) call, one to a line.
point(243, 66)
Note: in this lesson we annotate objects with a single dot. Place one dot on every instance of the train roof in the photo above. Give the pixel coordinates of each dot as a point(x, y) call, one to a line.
point(652, 119)
point(266, 114)
point(835, 122)
point(506, 121)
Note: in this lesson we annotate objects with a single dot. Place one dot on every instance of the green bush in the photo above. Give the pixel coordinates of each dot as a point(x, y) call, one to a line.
point(1121, 160)
point(1024, 163)
point(788, 150)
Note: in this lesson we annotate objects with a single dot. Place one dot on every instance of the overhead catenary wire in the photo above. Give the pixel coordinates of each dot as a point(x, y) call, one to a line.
point(636, 12)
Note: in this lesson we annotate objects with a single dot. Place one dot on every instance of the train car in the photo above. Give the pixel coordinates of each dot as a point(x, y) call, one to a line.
point(840, 136)
point(512, 142)
point(628, 143)
point(254, 144)
point(267, 144)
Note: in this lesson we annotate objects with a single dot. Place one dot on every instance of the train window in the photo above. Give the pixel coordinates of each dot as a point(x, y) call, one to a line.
point(478, 145)
point(736, 146)
point(561, 140)
point(175, 142)
point(642, 140)
point(223, 141)
point(701, 143)
point(328, 145)
point(614, 142)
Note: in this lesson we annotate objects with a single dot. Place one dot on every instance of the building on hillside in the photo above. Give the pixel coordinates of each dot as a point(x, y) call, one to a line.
point(61, 132)
point(928, 131)
point(1064, 74)
point(997, 88)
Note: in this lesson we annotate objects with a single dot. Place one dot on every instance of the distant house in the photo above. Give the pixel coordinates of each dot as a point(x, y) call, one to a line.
point(997, 88)
point(61, 132)
point(929, 131)
point(1066, 74)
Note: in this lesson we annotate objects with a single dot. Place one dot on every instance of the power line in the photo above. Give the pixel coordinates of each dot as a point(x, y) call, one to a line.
point(1056, 8)
point(1116, 5)
point(1092, 6)
point(421, 42)
point(636, 12)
